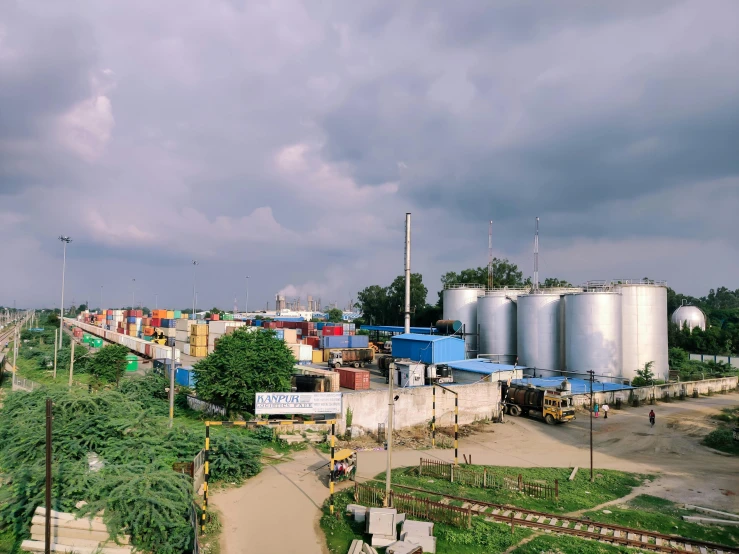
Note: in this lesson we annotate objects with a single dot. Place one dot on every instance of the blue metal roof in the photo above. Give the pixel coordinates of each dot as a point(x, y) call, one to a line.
point(428, 349)
point(484, 367)
point(397, 329)
point(579, 386)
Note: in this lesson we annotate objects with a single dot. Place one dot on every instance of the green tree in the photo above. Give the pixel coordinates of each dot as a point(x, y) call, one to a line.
point(335, 315)
point(554, 282)
point(108, 364)
point(644, 376)
point(374, 304)
point(505, 274)
point(243, 364)
point(396, 297)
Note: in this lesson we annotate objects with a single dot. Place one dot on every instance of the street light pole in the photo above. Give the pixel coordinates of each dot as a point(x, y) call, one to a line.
point(65, 241)
point(133, 294)
point(246, 306)
point(101, 298)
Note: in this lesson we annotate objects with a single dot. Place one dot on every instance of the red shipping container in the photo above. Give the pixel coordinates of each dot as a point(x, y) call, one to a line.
point(354, 379)
point(147, 350)
point(156, 322)
point(215, 317)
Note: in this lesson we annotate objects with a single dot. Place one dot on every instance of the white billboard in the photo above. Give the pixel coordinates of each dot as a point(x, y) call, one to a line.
point(298, 403)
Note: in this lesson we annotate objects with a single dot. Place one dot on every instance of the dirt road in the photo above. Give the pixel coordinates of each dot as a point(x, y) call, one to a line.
point(278, 511)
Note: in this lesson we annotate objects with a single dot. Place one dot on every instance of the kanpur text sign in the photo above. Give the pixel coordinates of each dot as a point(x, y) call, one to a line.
point(298, 403)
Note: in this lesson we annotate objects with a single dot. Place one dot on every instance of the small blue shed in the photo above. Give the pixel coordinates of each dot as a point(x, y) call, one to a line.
point(429, 349)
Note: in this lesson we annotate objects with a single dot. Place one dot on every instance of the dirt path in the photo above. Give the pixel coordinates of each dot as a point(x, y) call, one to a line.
point(278, 511)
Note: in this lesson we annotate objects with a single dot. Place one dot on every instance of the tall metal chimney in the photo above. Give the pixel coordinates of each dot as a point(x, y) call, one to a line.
point(536, 256)
point(407, 323)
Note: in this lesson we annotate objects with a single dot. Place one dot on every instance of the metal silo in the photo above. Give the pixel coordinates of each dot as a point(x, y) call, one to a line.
point(540, 332)
point(460, 303)
point(644, 315)
point(692, 316)
point(496, 317)
point(593, 333)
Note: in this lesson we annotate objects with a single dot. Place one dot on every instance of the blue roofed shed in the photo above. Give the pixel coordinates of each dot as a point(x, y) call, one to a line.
point(579, 386)
point(428, 349)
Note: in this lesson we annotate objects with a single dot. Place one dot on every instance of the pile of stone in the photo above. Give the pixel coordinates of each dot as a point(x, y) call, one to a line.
point(69, 534)
point(416, 537)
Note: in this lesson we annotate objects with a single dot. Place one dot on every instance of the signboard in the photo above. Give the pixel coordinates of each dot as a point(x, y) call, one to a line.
point(298, 403)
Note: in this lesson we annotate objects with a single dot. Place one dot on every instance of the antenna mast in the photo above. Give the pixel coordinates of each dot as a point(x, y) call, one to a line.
point(490, 255)
point(536, 256)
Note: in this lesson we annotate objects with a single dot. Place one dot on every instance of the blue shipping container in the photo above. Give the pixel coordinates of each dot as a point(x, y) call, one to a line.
point(340, 341)
point(257, 323)
point(280, 333)
point(131, 319)
point(185, 377)
point(169, 323)
point(293, 319)
point(358, 341)
point(320, 325)
point(428, 349)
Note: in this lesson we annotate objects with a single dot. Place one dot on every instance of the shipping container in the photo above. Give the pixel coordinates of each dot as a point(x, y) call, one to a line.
point(289, 336)
point(329, 341)
point(354, 379)
point(358, 341)
point(156, 322)
point(185, 377)
point(199, 331)
point(198, 351)
point(200, 340)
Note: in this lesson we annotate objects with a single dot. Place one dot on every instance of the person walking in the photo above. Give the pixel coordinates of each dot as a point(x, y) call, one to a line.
point(606, 407)
point(651, 417)
point(596, 409)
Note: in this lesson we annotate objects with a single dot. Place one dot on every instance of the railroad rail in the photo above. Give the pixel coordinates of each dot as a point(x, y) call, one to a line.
point(583, 528)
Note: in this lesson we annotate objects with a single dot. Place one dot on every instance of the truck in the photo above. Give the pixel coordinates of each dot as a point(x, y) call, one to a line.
point(553, 406)
point(354, 357)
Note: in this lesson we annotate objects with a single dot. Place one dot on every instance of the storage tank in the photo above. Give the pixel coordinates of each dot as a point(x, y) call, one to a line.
point(460, 303)
point(690, 315)
point(496, 317)
point(540, 333)
point(644, 323)
point(593, 333)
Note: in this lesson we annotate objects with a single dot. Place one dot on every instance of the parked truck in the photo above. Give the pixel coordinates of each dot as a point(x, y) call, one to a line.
point(553, 406)
point(354, 357)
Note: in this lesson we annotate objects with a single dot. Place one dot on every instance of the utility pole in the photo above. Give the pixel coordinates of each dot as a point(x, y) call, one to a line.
point(101, 298)
point(56, 350)
point(47, 530)
point(246, 306)
point(133, 294)
point(171, 389)
point(592, 376)
point(65, 241)
point(194, 265)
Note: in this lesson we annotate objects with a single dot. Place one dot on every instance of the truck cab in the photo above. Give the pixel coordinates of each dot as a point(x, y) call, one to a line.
point(559, 406)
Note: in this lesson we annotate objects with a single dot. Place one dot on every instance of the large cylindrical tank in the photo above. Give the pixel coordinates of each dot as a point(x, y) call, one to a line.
point(540, 333)
point(593, 333)
point(496, 317)
point(644, 316)
point(690, 315)
point(460, 303)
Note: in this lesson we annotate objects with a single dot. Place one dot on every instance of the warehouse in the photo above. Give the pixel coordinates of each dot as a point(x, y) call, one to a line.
point(472, 371)
point(428, 349)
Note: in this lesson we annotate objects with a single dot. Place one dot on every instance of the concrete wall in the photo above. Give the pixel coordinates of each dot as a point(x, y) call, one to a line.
point(724, 384)
point(414, 406)
point(733, 361)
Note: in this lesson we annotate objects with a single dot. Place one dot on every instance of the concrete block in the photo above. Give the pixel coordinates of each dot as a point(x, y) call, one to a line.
point(291, 439)
point(381, 521)
point(367, 549)
point(399, 518)
point(709, 511)
point(426, 542)
point(404, 547)
point(418, 528)
point(712, 521)
point(85, 524)
point(39, 546)
point(61, 534)
point(383, 540)
point(356, 547)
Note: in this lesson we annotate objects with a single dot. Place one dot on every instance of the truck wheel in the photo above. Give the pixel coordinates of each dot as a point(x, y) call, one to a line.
point(515, 410)
point(549, 418)
point(357, 365)
point(337, 366)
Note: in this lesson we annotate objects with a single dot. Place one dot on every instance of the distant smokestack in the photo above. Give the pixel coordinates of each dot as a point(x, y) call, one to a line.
point(536, 256)
point(407, 322)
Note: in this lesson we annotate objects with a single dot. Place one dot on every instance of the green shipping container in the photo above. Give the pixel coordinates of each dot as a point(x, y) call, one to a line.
point(97, 343)
point(177, 314)
point(132, 363)
point(86, 338)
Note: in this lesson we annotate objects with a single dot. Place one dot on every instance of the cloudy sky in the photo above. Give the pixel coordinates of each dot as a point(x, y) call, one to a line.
point(286, 140)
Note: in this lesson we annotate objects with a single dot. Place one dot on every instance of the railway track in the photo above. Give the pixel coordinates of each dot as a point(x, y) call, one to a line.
point(583, 528)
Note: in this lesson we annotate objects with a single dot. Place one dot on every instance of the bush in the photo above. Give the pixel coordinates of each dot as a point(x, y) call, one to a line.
point(722, 439)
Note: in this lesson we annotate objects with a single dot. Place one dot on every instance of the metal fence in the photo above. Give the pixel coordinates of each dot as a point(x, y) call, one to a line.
point(414, 506)
point(194, 522)
point(203, 406)
point(486, 479)
point(19, 383)
point(198, 471)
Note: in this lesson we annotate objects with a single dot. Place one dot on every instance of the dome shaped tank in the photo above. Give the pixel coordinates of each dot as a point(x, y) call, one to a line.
point(593, 333)
point(690, 315)
point(497, 316)
point(540, 332)
point(644, 324)
point(460, 303)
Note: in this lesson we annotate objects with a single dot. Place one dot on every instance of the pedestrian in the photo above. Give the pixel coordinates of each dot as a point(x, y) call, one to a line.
point(606, 407)
point(651, 417)
point(596, 409)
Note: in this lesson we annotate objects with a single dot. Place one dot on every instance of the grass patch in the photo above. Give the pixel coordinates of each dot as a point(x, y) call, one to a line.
point(8, 543)
point(657, 514)
point(574, 495)
point(723, 438)
point(339, 529)
point(558, 544)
